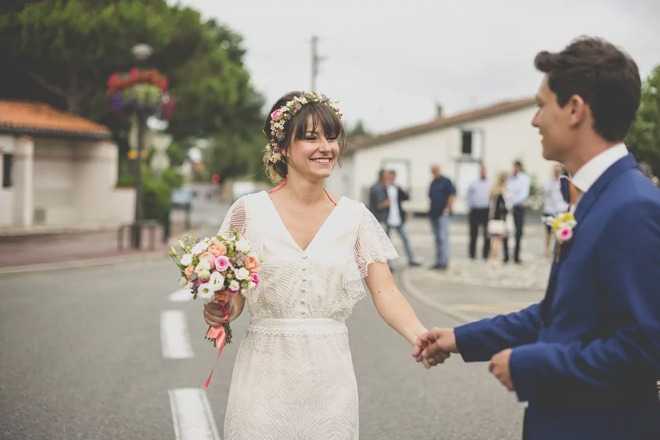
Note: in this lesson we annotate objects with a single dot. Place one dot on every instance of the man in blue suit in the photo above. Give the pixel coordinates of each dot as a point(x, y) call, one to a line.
point(587, 357)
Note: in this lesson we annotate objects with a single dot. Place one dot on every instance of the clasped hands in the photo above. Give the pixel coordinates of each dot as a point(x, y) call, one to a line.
point(435, 346)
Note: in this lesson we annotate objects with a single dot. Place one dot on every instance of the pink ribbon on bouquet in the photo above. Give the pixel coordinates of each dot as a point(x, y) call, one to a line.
point(219, 338)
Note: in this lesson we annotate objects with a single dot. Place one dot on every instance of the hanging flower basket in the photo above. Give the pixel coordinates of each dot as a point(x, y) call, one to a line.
point(145, 90)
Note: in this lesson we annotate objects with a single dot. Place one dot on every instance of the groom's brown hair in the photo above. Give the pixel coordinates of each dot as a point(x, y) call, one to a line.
point(604, 76)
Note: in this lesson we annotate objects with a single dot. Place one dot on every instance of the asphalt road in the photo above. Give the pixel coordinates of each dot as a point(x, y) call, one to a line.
point(82, 359)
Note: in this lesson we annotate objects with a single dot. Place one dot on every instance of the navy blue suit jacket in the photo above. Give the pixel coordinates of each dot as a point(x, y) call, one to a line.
point(588, 356)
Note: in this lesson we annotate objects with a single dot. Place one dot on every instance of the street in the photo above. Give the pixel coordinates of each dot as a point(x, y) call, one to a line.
point(112, 352)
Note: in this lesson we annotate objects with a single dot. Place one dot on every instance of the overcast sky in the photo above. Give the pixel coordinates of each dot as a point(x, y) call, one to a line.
point(389, 61)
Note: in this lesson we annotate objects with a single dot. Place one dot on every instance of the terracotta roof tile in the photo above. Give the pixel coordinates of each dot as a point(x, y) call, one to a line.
point(38, 118)
point(442, 122)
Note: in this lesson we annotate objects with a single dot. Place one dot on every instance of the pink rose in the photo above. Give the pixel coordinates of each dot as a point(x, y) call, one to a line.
point(254, 277)
point(217, 249)
point(221, 263)
point(251, 263)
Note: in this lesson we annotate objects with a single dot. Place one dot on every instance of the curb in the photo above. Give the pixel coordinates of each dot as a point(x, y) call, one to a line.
point(82, 263)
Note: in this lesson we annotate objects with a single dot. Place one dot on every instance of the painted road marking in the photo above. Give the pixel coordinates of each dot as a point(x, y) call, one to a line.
point(191, 415)
point(175, 342)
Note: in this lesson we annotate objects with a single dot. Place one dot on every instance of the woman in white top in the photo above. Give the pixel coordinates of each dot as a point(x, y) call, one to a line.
point(293, 377)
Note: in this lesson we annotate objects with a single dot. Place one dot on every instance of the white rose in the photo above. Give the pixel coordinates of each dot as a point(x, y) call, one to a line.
point(242, 274)
point(217, 281)
point(204, 275)
point(199, 248)
point(205, 291)
point(204, 264)
point(234, 286)
point(243, 246)
point(186, 259)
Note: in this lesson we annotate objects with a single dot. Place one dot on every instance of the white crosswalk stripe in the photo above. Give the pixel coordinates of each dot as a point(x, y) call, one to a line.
point(175, 342)
point(191, 415)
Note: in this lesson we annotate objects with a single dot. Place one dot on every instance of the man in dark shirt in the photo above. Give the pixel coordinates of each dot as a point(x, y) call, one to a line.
point(379, 203)
point(441, 195)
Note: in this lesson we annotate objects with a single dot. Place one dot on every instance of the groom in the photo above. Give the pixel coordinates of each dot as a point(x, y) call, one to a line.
point(587, 357)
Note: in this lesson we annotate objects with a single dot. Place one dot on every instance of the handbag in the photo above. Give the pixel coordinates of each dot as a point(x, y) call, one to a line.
point(497, 227)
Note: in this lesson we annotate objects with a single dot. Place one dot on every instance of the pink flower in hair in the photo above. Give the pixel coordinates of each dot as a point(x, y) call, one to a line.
point(277, 114)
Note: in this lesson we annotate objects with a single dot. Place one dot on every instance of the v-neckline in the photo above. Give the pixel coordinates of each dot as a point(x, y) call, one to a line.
point(288, 233)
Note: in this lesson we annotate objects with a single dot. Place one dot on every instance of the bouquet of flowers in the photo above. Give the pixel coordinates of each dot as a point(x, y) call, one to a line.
point(216, 269)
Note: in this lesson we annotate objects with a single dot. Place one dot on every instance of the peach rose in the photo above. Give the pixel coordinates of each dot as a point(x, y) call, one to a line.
point(217, 249)
point(189, 271)
point(251, 263)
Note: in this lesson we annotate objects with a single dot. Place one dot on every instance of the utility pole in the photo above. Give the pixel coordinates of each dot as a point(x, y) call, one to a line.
point(316, 60)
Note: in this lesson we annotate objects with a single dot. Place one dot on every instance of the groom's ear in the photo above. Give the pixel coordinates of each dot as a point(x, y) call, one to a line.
point(578, 109)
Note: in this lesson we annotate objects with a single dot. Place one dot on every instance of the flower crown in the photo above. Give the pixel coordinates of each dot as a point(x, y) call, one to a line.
point(282, 115)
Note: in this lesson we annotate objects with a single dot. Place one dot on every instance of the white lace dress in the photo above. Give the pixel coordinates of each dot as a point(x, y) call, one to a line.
point(293, 377)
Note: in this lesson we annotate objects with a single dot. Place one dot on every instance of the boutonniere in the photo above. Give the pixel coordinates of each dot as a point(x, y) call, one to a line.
point(562, 226)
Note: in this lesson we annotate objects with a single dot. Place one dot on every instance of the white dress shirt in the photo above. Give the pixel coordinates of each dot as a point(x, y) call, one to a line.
point(394, 216)
point(553, 201)
point(592, 170)
point(478, 194)
point(517, 189)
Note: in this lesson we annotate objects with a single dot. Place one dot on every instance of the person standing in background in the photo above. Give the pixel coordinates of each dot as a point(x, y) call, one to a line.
point(497, 224)
point(396, 217)
point(478, 198)
point(517, 191)
point(441, 195)
point(379, 203)
point(553, 204)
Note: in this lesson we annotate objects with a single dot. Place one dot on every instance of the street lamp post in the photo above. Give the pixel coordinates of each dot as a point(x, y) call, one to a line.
point(136, 236)
point(141, 93)
point(141, 52)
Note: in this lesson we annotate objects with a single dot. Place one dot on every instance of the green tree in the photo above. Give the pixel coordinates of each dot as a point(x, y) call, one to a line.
point(233, 155)
point(63, 51)
point(644, 136)
point(358, 129)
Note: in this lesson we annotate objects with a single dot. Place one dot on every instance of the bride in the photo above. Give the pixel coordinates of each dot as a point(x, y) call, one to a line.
point(293, 377)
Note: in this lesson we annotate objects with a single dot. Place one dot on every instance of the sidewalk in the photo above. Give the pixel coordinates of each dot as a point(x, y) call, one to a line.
point(473, 289)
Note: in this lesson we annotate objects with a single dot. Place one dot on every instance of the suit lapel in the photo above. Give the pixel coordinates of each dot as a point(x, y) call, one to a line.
point(584, 206)
point(589, 198)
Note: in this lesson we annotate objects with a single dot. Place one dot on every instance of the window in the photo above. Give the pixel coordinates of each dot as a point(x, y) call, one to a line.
point(466, 143)
point(7, 164)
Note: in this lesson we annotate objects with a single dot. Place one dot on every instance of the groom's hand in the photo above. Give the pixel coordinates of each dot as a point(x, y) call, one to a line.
point(435, 346)
point(499, 367)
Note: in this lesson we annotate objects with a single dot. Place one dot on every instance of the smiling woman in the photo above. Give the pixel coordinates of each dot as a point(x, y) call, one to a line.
point(294, 376)
point(308, 118)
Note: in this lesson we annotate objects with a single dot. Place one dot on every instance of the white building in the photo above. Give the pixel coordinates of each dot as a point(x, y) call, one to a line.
point(58, 169)
point(495, 135)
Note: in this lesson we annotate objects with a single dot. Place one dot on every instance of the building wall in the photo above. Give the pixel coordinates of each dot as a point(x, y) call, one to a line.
point(6, 194)
point(97, 199)
point(504, 138)
point(55, 182)
point(75, 184)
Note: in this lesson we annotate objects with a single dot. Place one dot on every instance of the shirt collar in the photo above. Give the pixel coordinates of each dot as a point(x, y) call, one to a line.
point(592, 170)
